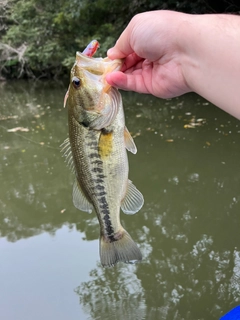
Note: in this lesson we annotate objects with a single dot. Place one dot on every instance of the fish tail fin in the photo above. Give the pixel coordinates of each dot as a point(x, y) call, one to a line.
point(123, 248)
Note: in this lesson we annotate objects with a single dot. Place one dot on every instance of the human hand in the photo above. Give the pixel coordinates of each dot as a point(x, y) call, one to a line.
point(169, 53)
point(153, 53)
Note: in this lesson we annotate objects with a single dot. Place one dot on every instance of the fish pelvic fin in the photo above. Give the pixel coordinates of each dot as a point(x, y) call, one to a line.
point(79, 199)
point(123, 249)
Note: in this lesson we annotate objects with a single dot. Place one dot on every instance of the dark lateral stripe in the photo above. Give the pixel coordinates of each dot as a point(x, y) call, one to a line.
point(97, 169)
point(93, 155)
point(106, 218)
point(105, 211)
point(98, 180)
point(97, 183)
point(101, 176)
point(99, 187)
point(108, 226)
point(100, 194)
point(103, 201)
point(92, 144)
point(84, 124)
point(98, 162)
point(112, 238)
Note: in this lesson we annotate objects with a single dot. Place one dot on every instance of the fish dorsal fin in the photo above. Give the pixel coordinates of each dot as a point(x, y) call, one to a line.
point(79, 199)
point(67, 154)
point(108, 114)
point(133, 200)
point(129, 143)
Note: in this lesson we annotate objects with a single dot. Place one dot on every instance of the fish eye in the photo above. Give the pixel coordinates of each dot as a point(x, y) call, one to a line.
point(76, 82)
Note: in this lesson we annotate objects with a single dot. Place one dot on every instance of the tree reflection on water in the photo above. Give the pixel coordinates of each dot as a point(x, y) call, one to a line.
point(178, 279)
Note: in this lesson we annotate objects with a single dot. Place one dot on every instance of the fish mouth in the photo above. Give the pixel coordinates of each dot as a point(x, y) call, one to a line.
point(99, 66)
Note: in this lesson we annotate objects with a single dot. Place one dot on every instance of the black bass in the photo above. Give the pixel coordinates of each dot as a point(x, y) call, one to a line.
point(96, 150)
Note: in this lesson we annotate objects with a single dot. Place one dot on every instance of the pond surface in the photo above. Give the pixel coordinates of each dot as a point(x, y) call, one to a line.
point(187, 168)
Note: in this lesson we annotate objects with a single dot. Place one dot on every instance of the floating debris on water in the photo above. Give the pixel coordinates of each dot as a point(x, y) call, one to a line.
point(150, 129)
point(137, 134)
point(3, 117)
point(195, 123)
point(18, 129)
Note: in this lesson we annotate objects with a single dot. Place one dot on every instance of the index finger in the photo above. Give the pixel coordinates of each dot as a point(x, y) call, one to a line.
point(123, 46)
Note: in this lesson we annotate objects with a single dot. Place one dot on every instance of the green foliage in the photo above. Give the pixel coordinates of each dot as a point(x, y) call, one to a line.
point(42, 36)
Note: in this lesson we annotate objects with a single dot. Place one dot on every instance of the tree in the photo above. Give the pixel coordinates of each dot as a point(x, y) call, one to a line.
point(40, 38)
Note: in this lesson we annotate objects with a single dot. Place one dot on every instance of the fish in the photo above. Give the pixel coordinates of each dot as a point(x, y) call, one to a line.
point(96, 151)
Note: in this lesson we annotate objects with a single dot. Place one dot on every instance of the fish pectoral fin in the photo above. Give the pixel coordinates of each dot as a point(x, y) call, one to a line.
point(109, 112)
point(79, 199)
point(133, 200)
point(65, 98)
point(129, 143)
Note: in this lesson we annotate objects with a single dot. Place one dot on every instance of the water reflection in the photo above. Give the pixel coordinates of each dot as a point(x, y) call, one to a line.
point(188, 229)
point(113, 294)
point(184, 276)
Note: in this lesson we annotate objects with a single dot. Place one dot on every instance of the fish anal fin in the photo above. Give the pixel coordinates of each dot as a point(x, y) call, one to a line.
point(123, 249)
point(133, 200)
point(79, 199)
point(129, 143)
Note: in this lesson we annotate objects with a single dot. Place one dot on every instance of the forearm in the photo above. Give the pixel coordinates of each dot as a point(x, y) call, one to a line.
point(211, 59)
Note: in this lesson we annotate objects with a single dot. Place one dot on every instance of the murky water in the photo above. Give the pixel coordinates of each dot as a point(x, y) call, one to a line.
point(187, 168)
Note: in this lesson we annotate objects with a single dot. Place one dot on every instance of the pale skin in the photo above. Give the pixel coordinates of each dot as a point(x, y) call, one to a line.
point(169, 53)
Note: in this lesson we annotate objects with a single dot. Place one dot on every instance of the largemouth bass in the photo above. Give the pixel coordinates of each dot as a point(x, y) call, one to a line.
point(96, 150)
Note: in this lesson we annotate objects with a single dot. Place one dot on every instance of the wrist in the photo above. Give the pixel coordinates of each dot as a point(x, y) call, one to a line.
point(186, 43)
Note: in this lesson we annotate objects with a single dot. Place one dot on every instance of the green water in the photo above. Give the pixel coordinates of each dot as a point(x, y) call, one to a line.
point(187, 168)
